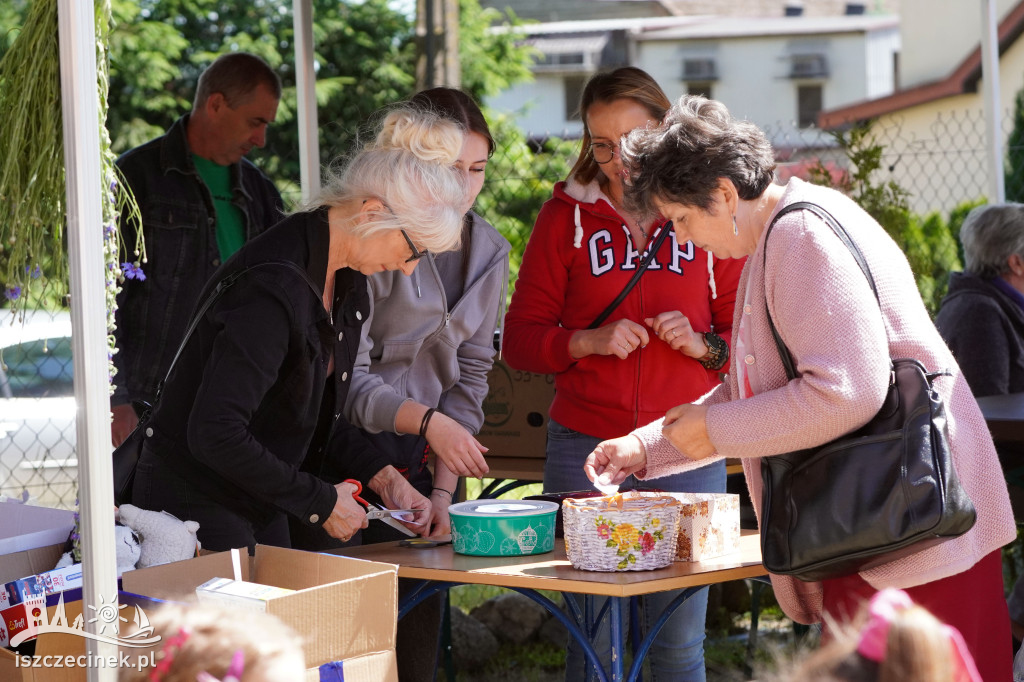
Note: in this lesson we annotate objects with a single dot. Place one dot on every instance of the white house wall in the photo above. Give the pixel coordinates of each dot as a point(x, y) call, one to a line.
point(539, 106)
point(879, 52)
point(938, 35)
point(753, 74)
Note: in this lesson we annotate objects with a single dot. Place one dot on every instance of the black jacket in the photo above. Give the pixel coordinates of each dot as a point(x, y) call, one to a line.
point(985, 330)
point(179, 222)
point(239, 411)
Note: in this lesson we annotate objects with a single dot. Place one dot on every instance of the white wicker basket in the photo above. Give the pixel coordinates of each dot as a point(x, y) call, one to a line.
point(621, 532)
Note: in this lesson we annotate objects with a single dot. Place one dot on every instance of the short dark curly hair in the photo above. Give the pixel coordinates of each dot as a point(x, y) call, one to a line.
point(682, 159)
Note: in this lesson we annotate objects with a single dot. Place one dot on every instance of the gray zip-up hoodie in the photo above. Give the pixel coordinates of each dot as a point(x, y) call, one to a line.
point(414, 348)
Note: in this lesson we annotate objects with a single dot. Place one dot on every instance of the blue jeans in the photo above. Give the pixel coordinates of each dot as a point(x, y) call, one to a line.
point(678, 652)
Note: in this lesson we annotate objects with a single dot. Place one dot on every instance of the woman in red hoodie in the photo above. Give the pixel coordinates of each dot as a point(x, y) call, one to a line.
point(664, 343)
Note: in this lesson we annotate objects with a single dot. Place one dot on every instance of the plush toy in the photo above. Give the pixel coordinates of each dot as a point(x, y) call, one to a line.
point(164, 537)
point(128, 548)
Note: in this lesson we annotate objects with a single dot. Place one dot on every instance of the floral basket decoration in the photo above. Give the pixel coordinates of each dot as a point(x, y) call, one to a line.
point(621, 532)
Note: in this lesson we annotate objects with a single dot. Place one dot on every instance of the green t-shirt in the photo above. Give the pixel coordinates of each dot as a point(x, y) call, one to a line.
point(230, 226)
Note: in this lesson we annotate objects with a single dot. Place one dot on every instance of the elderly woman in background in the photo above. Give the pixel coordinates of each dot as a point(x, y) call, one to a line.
point(982, 316)
point(982, 320)
point(712, 175)
point(263, 379)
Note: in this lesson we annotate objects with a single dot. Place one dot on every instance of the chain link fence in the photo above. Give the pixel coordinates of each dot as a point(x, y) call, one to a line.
point(943, 173)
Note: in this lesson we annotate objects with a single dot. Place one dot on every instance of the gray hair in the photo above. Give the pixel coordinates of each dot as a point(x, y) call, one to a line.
point(682, 159)
point(410, 167)
point(235, 75)
point(990, 235)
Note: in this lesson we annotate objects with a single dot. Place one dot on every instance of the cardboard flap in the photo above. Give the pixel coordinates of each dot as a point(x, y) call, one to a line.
point(178, 581)
point(298, 570)
point(24, 527)
point(30, 562)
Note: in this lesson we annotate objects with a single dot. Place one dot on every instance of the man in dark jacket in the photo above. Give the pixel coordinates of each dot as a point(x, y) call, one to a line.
point(200, 199)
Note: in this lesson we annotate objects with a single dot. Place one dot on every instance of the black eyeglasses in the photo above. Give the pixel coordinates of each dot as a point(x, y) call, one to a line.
point(603, 152)
point(416, 253)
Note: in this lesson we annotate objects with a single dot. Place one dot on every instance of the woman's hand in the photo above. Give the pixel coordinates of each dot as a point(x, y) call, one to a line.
point(456, 447)
point(440, 522)
point(685, 428)
point(620, 338)
point(613, 460)
point(398, 493)
point(347, 516)
point(123, 422)
point(674, 329)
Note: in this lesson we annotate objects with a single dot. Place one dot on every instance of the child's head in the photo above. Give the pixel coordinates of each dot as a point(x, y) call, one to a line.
point(894, 641)
point(226, 644)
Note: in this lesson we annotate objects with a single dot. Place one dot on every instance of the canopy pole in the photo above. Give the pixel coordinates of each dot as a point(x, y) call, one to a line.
point(82, 164)
point(992, 109)
point(305, 93)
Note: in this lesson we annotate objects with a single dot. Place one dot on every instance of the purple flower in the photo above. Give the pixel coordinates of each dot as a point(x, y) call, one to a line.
point(36, 273)
point(13, 293)
point(133, 271)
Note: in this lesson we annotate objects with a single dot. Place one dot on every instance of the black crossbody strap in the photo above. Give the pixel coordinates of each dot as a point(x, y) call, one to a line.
point(840, 232)
point(218, 291)
point(665, 229)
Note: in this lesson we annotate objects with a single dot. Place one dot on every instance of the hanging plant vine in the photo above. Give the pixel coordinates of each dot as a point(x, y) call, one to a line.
point(33, 252)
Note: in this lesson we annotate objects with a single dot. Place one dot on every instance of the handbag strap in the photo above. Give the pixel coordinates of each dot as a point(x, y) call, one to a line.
point(840, 232)
point(665, 229)
point(217, 292)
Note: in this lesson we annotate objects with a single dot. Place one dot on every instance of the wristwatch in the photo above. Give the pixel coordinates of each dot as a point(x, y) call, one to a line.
point(718, 351)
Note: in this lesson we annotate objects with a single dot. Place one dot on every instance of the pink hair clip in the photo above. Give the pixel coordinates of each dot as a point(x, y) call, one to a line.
point(875, 637)
point(170, 649)
point(234, 672)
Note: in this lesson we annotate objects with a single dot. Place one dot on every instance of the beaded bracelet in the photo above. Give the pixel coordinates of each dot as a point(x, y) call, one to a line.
point(426, 420)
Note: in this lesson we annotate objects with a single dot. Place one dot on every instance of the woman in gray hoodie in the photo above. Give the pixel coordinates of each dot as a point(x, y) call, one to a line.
point(421, 375)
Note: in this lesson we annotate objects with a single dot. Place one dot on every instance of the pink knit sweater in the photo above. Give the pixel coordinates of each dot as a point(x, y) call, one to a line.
point(826, 314)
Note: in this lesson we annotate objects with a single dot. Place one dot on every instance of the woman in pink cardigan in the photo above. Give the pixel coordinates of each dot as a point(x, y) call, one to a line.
point(712, 175)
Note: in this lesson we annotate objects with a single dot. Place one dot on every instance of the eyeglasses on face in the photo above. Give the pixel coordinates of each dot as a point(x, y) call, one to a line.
point(603, 152)
point(416, 253)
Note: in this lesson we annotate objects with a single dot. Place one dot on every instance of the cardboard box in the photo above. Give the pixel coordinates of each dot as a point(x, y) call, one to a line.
point(50, 644)
point(709, 525)
point(345, 609)
point(31, 539)
point(516, 412)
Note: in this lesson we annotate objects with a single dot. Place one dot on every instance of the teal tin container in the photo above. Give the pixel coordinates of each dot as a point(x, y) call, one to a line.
point(503, 527)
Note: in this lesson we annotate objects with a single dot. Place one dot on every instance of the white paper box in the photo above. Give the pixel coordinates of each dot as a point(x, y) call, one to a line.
point(709, 525)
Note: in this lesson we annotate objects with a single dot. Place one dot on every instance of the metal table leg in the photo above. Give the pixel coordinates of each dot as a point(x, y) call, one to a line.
point(428, 588)
point(645, 646)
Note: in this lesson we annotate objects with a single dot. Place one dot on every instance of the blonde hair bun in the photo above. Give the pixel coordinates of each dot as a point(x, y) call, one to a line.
point(425, 134)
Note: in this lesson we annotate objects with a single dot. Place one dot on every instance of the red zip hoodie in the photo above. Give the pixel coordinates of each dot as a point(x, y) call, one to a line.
point(579, 258)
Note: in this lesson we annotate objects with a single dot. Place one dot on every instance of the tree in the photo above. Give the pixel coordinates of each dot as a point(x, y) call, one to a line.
point(1014, 181)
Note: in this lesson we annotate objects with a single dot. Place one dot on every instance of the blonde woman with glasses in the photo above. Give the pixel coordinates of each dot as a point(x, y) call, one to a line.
point(260, 387)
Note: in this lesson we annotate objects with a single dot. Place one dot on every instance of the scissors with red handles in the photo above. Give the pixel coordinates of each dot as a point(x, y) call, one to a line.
point(375, 513)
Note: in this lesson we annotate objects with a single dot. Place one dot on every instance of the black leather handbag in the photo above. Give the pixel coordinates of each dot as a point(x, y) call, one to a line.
point(885, 491)
point(126, 455)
